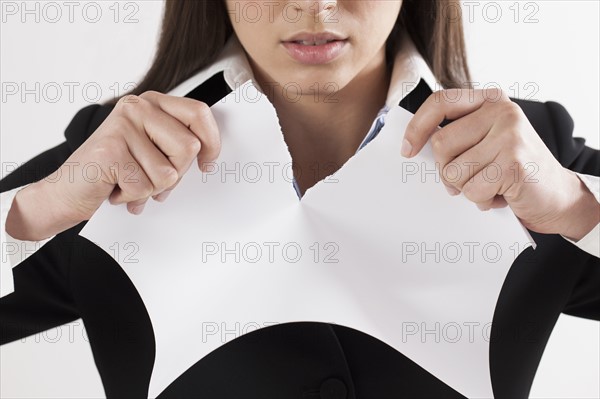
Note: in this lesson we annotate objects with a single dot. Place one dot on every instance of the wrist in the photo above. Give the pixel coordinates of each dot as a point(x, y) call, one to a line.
point(32, 216)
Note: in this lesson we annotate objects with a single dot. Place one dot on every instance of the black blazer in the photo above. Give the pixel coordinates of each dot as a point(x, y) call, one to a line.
point(70, 278)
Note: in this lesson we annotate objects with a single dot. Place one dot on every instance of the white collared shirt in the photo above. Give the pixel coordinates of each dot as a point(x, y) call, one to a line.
point(408, 68)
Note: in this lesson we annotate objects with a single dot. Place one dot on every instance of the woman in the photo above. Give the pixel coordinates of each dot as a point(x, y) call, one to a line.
point(322, 48)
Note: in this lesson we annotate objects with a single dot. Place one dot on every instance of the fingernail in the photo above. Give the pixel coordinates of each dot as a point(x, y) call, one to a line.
point(451, 190)
point(205, 167)
point(138, 209)
point(162, 196)
point(406, 148)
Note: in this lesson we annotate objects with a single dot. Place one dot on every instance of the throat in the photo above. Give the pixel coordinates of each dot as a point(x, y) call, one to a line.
point(322, 136)
point(323, 151)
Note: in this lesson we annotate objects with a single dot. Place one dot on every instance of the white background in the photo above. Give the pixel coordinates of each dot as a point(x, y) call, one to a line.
point(555, 53)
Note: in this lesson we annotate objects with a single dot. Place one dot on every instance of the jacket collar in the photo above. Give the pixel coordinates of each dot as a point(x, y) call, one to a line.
point(410, 83)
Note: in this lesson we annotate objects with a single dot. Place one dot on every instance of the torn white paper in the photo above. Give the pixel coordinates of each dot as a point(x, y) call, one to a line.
point(379, 246)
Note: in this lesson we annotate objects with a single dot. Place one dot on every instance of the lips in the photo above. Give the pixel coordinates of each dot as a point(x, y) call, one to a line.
point(315, 48)
point(313, 42)
point(315, 39)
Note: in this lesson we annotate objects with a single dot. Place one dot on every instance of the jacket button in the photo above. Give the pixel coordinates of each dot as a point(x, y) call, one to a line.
point(333, 388)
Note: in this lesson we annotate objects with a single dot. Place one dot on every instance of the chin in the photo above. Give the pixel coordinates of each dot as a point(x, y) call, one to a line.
point(312, 81)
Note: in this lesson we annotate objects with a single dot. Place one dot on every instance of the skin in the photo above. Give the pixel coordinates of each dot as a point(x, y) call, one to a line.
point(159, 136)
point(317, 141)
point(492, 154)
point(489, 130)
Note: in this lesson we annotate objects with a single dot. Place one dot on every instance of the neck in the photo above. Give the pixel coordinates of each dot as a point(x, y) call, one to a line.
point(323, 129)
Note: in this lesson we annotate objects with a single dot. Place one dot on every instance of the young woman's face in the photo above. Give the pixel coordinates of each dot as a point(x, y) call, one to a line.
point(313, 45)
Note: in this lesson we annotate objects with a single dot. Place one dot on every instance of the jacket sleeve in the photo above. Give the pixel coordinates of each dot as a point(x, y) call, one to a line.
point(555, 126)
point(36, 295)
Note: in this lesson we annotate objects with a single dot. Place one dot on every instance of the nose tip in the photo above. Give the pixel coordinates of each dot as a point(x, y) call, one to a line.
point(316, 7)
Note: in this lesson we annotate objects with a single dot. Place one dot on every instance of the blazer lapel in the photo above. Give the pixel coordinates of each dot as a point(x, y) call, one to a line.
point(211, 90)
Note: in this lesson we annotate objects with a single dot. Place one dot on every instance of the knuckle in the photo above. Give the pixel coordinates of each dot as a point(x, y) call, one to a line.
point(200, 110)
point(412, 130)
point(192, 146)
point(131, 104)
point(143, 190)
point(437, 142)
point(452, 93)
point(511, 112)
point(137, 191)
point(122, 126)
point(150, 95)
point(168, 177)
point(494, 94)
point(504, 95)
point(471, 192)
point(435, 97)
point(147, 94)
point(451, 172)
point(468, 193)
point(213, 143)
point(494, 91)
point(128, 100)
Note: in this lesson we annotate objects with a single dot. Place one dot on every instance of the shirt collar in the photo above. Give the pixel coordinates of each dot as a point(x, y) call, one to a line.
point(408, 68)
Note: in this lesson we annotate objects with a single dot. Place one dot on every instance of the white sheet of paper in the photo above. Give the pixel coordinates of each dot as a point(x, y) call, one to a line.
point(379, 246)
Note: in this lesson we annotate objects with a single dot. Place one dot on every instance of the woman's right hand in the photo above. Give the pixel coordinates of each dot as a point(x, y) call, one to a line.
point(141, 150)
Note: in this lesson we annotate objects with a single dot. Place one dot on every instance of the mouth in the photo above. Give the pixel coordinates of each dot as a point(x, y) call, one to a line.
point(315, 39)
point(312, 42)
point(315, 48)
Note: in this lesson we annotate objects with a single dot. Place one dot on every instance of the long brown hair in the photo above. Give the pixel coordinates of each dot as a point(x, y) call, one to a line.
point(195, 31)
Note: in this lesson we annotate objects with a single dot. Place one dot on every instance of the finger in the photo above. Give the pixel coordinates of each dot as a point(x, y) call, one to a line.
point(156, 166)
point(173, 139)
point(455, 139)
point(132, 182)
point(459, 136)
point(485, 185)
point(464, 167)
point(136, 207)
point(446, 104)
point(162, 196)
point(176, 142)
point(197, 117)
point(497, 201)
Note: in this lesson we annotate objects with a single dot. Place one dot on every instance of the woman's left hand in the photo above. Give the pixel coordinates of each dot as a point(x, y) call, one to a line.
point(491, 153)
